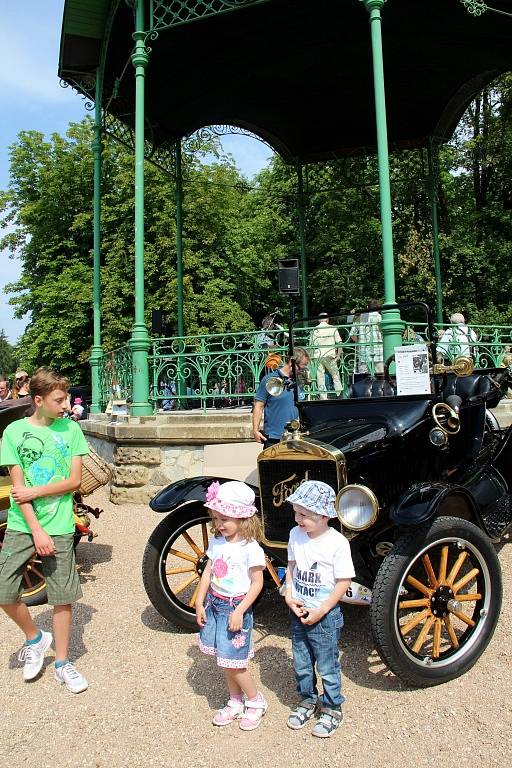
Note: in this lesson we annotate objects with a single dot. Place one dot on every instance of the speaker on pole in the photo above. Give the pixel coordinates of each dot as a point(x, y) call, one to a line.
point(288, 272)
point(160, 325)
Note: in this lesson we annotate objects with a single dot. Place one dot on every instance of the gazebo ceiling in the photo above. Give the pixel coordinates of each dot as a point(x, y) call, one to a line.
point(298, 72)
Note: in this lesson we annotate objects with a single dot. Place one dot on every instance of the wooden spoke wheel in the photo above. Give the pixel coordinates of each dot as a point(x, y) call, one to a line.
point(436, 601)
point(173, 562)
point(34, 582)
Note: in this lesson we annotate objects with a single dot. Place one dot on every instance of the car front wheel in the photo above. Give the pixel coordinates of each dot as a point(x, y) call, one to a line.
point(436, 601)
point(174, 559)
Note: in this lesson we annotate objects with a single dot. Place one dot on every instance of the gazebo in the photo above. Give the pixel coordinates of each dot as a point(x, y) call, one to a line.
point(310, 78)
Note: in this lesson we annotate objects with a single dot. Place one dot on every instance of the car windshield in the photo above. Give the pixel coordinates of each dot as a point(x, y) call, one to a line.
point(347, 358)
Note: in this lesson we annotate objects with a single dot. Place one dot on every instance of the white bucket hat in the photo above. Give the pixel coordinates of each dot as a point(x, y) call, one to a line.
point(233, 499)
point(315, 496)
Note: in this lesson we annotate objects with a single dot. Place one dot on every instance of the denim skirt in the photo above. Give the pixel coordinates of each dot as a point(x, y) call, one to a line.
point(232, 649)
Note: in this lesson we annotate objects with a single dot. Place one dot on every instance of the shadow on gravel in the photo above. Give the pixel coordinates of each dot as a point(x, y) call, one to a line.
point(82, 615)
point(360, 662)
point(206, 679)
point(90, 554)
point(152, 620)
point(276, 673)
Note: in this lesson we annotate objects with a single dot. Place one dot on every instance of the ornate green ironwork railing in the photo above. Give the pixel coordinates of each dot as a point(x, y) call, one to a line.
point(208, 371)
point(171, 13)
point(115, 375)
point(220, 370)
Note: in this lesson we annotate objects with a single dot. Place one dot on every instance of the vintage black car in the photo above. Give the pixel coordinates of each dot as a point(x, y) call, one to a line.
point(423, 485)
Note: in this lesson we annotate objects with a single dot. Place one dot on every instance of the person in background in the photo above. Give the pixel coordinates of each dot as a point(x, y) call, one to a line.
point(457, 340)
point(5, 392)
point(366, 333)
point(325, 342)
point(277, 410)
point(21, 385)
point(77, 409)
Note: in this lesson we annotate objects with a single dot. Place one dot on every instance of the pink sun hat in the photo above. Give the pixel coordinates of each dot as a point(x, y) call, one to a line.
point(232, 499)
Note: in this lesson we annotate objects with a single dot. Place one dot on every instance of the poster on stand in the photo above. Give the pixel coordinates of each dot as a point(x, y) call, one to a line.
point(412, 373)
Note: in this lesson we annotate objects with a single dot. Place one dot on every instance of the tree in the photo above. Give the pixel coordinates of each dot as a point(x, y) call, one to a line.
point(7, 356)
point(234, 234)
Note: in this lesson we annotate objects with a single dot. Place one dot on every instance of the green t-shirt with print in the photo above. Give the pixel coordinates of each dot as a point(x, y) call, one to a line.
point(44, 454)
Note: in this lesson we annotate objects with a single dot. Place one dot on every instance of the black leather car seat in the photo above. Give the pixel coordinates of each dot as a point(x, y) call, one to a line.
point(467, 387)
point(371, 387)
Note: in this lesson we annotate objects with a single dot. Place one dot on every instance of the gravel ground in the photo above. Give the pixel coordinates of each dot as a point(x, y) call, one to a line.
point(152, 693)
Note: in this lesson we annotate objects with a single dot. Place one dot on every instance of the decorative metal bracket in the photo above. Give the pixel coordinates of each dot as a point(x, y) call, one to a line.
point(479, 7)
point(85, 88)
point(475, 7)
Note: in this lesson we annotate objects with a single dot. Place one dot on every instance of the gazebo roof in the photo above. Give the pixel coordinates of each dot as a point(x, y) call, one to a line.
point(296, 72)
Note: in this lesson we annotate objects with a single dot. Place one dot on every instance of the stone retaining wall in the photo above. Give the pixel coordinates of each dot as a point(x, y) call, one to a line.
point(148, 453)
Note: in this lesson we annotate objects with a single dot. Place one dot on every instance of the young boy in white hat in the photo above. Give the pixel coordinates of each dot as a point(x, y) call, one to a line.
point(319, 573)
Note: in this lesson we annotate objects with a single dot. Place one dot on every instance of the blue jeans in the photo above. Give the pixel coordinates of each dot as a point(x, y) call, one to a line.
point(318, 644)
point(232, 649)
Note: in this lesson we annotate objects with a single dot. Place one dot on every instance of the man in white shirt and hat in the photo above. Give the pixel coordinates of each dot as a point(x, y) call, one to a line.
point(457, 340)
point(325, 343)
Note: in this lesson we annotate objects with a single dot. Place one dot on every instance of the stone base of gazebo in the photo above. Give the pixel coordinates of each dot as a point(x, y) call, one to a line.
point(146, 453)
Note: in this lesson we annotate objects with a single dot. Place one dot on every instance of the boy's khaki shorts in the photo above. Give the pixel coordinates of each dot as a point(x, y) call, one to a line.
point(62, 581)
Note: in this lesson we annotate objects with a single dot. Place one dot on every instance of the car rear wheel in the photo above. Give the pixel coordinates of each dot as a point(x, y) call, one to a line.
point(34, 582)
point(436, 601)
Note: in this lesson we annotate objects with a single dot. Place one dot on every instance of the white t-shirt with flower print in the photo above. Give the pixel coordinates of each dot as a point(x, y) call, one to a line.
point(230, 565)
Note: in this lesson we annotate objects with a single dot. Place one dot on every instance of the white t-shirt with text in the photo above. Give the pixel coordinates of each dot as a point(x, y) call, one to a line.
point(319, 562)
point(231, 561)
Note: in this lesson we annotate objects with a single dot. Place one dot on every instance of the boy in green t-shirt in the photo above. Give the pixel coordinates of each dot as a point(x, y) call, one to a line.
point(44, 455)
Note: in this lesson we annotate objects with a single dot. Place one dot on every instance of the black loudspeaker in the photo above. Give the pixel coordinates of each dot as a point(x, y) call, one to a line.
point(159, 323)
point(288, 270)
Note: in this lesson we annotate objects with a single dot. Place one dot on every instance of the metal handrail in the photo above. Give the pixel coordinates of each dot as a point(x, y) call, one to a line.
point(224, 369)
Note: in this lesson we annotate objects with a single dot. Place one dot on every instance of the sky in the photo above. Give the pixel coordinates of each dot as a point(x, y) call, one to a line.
point(32, 99)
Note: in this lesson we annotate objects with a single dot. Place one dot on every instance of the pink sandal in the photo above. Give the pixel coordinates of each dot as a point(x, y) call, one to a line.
point(251, 719)
point(232, 711)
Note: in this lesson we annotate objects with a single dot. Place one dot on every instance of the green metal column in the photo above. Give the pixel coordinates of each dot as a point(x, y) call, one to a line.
point(96, 351)
point(139, 343)
point(391, 323)
point(179, 237)
point(302, 238)
point(433, 179)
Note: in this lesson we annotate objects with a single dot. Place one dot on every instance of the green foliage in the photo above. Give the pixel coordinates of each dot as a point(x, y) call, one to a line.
point(234, 234)
point(8, 363)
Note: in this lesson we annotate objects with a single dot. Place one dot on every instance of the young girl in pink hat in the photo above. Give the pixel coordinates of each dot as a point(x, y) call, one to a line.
point(231, 582)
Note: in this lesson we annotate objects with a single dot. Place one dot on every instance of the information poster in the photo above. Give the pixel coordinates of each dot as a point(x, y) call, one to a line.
point(412, 374)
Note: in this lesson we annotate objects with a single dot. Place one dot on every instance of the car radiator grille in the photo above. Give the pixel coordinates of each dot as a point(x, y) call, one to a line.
point(278, 479)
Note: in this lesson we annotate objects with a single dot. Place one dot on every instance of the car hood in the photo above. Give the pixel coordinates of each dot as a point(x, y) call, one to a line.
point(349, 436)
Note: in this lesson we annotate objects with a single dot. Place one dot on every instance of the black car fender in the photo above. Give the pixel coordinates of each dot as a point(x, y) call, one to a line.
point(424, 501)
point(188, 491)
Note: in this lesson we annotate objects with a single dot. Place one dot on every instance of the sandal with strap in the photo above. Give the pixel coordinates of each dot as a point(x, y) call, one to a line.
point(251, 720)
point(328, 722)
point(232, 711)
point(298, 717)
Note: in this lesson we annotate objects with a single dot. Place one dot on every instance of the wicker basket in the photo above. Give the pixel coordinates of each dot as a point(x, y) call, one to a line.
point(95, 473)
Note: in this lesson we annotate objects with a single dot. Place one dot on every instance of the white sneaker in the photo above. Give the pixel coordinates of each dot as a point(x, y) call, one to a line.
point(71, 678)
point(33, 656)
